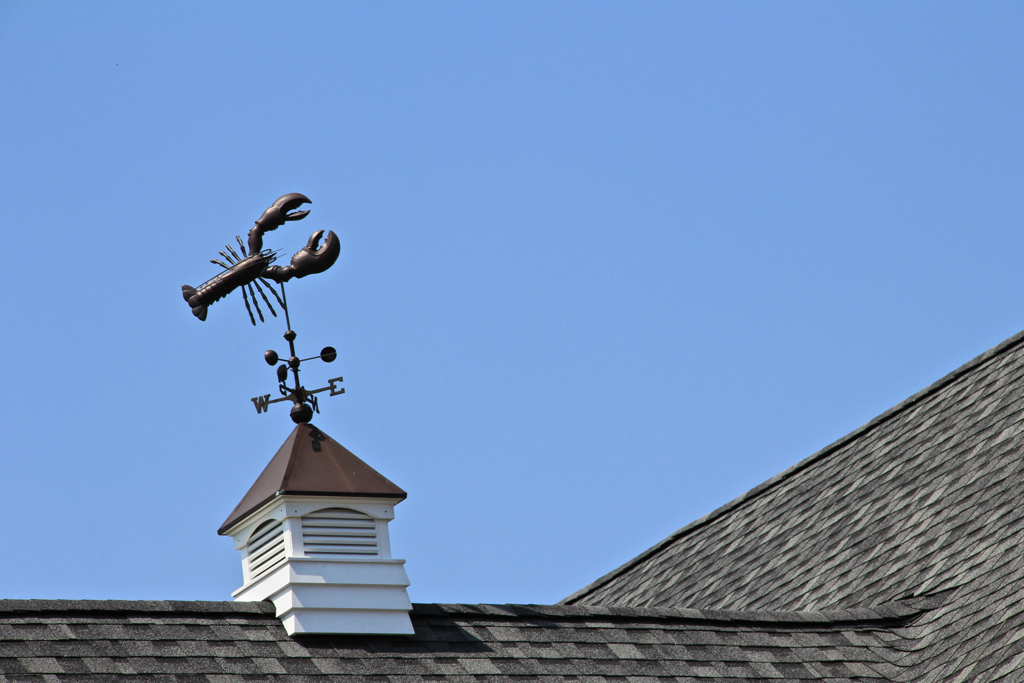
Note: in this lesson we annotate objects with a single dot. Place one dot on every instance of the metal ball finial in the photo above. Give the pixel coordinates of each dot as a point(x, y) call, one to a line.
point(301, 413)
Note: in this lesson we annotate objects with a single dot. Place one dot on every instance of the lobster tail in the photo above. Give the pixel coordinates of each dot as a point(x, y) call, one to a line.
point(199, 310)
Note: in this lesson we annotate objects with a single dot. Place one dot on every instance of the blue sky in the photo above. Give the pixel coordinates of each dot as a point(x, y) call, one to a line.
point(604, 266)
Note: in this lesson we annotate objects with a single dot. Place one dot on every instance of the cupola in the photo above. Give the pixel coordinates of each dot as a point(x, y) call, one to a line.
point(313, 533)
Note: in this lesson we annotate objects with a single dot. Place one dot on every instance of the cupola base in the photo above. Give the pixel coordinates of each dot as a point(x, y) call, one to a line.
point(318, 596)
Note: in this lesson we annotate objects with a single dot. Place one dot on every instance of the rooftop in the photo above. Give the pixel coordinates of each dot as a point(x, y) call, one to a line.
point(925, 498)
point(227, 642)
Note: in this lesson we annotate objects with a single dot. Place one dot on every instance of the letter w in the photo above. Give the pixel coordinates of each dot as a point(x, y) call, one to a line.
point(261, 403)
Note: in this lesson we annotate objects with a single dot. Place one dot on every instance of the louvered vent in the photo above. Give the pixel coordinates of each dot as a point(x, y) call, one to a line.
point(266, 549)
point(337, 532)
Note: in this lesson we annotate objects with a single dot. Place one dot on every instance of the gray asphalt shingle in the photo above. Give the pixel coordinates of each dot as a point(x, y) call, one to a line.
point(122, 641)
point(925, 498)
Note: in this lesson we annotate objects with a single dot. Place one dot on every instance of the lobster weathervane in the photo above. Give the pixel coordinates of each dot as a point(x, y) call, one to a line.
point(252, 267)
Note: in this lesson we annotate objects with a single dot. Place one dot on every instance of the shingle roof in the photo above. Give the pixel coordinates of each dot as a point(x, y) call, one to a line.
point(224, 642)
point(926, 497)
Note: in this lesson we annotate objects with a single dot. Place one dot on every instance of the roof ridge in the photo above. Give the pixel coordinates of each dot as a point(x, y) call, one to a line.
point(898, 610)
point(886, 613)
point(791, 471)
point(171, 606)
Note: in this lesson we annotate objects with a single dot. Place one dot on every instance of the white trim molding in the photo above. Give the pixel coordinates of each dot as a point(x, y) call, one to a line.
point(354, 587)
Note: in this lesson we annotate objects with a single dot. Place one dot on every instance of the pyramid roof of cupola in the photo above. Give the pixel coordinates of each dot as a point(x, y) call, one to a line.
point(310, 463)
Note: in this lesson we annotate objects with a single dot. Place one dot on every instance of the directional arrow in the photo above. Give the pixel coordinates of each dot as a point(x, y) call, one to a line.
point(298, 395)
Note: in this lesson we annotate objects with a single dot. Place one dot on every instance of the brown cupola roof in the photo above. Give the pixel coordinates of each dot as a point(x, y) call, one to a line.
point(310, 463)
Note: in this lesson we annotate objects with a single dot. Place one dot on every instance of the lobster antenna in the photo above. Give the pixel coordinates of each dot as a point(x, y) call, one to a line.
point(237, 257)
point(256, 304)
point(246, 300)
point(271, 288)
point(272, 311)
point(241, 246)
point(229, 259)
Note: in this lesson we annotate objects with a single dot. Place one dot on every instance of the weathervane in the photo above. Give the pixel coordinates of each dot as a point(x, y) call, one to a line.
point(253, 267)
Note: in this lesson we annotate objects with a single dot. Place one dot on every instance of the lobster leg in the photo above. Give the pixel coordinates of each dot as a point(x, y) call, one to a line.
point(246, 300)
point(254, 302)
point(274, 292)
point(258, 289)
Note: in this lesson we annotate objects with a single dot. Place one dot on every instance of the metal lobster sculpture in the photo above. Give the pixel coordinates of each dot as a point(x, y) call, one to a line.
point(253, 265)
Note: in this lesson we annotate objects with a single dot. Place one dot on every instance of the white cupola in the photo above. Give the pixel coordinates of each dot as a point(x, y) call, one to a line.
point(313, 532)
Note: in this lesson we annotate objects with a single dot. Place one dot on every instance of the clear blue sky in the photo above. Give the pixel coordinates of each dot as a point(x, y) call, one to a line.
point(604, 267)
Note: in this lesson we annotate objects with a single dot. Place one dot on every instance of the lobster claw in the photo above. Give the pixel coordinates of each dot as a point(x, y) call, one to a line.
point(309, 260)
point(284, 209)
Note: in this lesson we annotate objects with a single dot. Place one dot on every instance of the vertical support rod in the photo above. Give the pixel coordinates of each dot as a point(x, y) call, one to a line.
point(290, 337)
point(284, 302)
